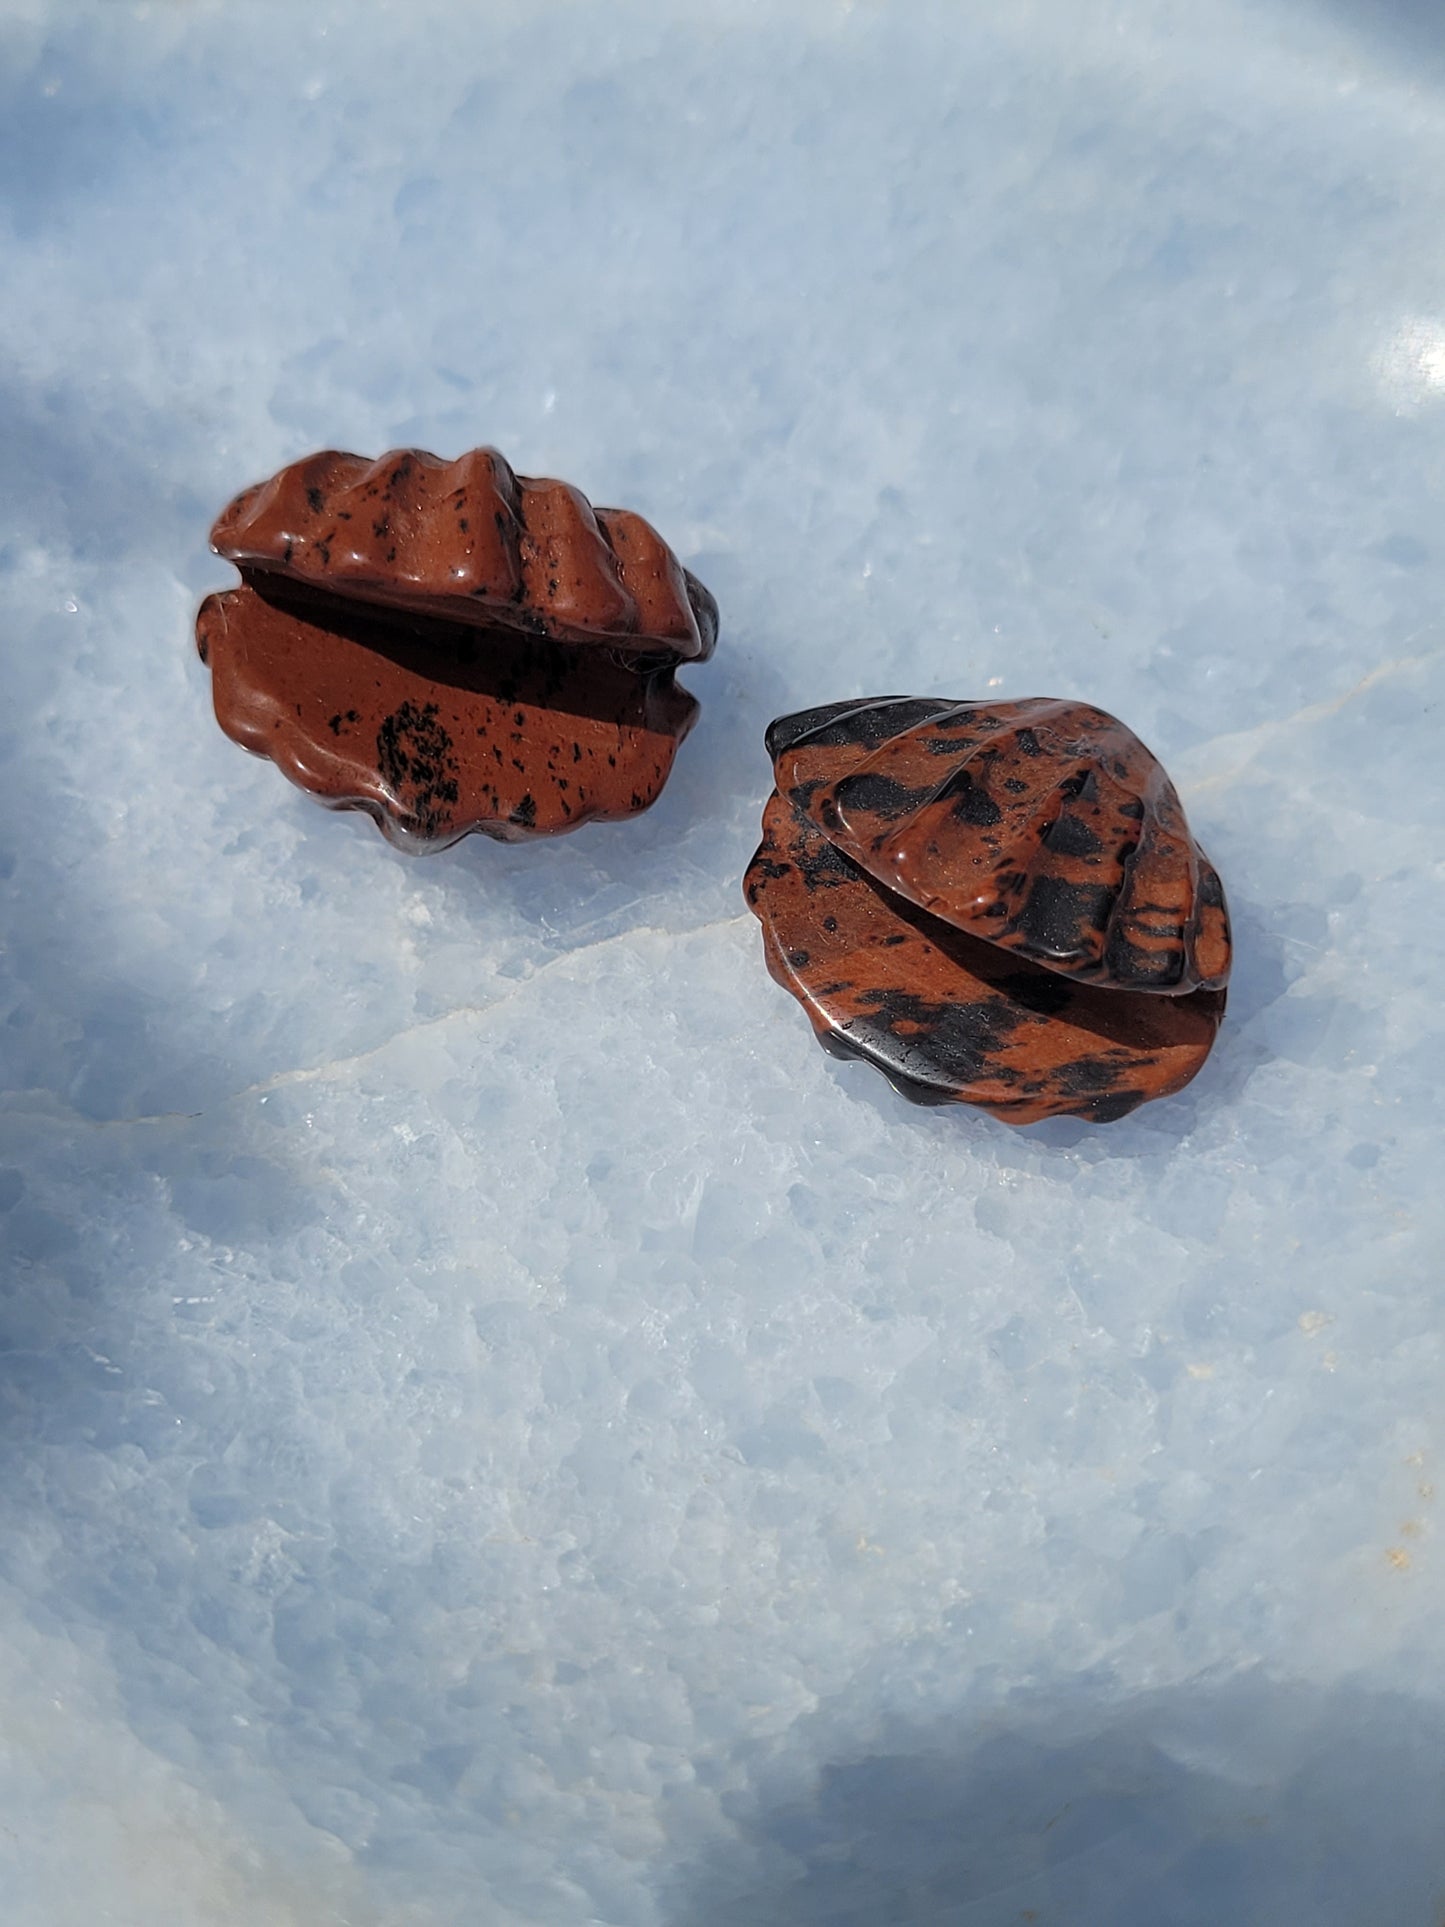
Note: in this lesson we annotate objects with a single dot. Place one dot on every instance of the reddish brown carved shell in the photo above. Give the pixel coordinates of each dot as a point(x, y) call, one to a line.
point(893, 829)
point(451, 647)
point(1045, 827)
point(431, 734)
point(473, 542)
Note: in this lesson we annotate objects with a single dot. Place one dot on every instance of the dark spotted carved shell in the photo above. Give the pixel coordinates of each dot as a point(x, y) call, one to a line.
point(431, 735)
point(470, 541)
point(452, 647)
point(994, 903)
point(1045, 827)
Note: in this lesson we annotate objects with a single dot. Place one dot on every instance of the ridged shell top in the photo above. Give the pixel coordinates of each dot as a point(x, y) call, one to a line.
point(1045, 827)
point(471, 541)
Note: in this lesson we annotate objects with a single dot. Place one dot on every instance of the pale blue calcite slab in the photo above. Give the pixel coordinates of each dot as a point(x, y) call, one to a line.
point(496, 1427)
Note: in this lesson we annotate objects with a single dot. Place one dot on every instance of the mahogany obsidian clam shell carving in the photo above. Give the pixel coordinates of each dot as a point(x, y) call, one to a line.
point(997, 904)
point(452, 647)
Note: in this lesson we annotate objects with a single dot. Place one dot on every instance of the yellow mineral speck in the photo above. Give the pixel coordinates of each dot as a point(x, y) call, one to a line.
point(1398, 1558)
point(1200, 1371)
point(1312, 1323)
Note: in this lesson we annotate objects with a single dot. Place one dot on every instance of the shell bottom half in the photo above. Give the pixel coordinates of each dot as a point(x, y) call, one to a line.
point(434, 730)
point(950, 1018)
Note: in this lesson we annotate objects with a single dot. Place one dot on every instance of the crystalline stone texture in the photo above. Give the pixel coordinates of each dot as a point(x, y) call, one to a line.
point(452, 647)
point(986, 901)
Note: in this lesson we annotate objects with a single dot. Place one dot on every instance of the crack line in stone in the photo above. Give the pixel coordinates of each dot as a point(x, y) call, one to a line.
point(1311, 713)
point(315, 1073)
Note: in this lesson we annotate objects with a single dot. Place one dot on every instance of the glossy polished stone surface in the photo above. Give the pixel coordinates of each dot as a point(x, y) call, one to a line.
point(495, 1426)
point(1044, 827)
point(470, 541)
point(451, 647)
point(436, 730)
point(1085, 861)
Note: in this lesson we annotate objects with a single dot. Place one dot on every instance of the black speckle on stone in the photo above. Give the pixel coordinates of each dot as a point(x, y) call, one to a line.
point(1087, 1074)
point(822, 865)
point(837, 724)
point(1056, 916)
point(414, 756)
point(314, 499)
point(970, 804)
point(1037, 991)
point(1133, 968)
point(936, 1044)
point(525, 814)
point(878, 795)
point(1071, 836)
point(1084, 784)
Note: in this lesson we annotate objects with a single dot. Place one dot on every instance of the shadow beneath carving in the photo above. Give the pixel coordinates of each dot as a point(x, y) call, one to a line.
point(1248, 1802)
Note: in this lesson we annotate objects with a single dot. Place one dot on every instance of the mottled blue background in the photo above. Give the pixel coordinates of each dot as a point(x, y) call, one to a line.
point(495, 1427)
